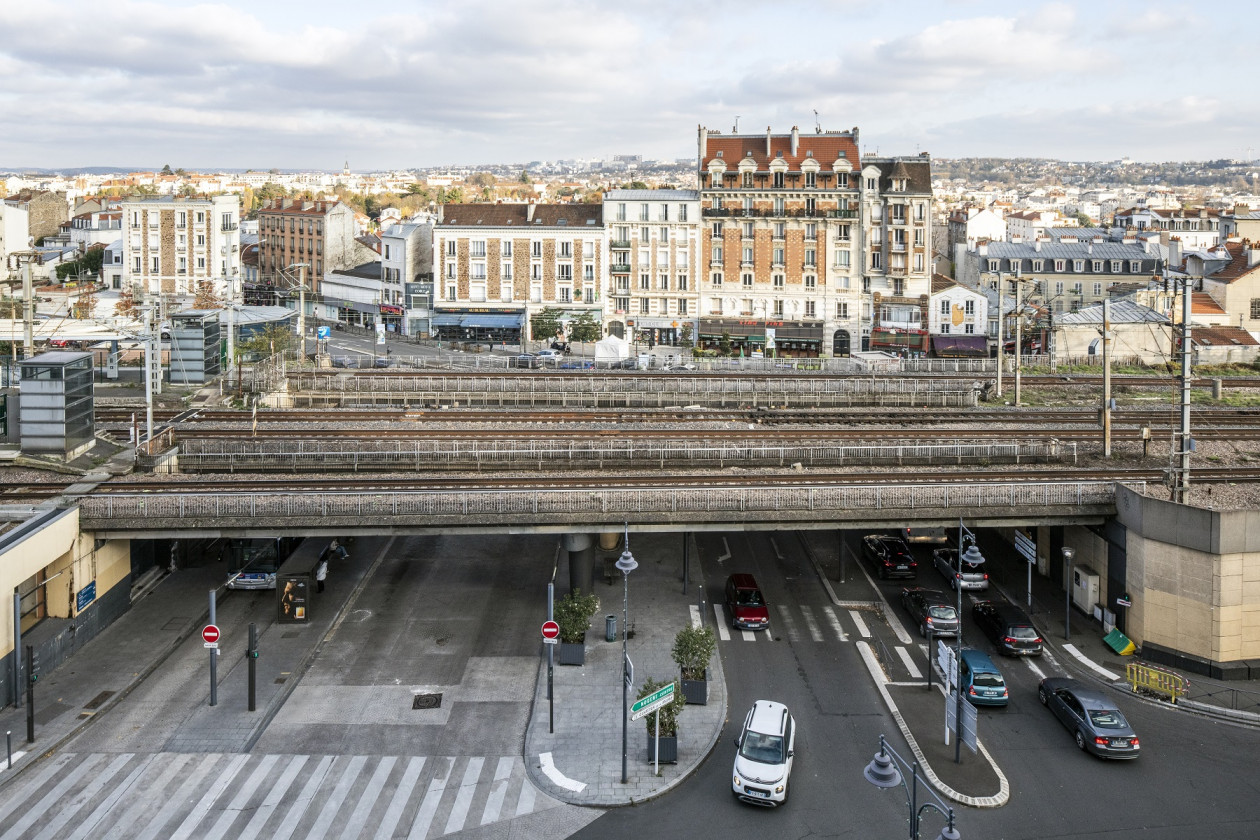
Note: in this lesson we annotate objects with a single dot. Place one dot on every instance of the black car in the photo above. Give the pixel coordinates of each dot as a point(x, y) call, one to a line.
point(932, 610)
point(1092, 718)
point(891, 556)
point(1008, 627)
point(382, 362)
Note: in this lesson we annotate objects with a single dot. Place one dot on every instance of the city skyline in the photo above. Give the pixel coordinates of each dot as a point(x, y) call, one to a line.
point(308, 86)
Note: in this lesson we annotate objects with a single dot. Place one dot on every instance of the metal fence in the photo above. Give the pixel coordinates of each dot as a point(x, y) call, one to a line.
point(315, 456)
point(701, 503)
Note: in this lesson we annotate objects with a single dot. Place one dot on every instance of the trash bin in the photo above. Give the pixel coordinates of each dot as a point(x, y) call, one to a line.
point(610, 628)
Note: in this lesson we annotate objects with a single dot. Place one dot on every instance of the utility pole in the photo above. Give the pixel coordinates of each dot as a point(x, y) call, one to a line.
point(1001, 348)
point(1106, 406)
point(231, 322)
point(1019, 335)
point(1181, 477)
point(28, 312)
point(149, 341)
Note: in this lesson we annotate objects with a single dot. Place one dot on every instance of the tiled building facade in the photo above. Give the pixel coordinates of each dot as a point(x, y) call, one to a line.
point(171, 244)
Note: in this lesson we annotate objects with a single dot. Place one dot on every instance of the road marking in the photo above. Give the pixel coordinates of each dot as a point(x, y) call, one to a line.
point(1034, 668)
point(203, 805)
point(909, 663)
point(53, 796)
point(834, 621)
point(695, 615)
point(192, 782)
point(727, 548)
point(433, 796)
point(332, 805)
point(36, 783)
point(91, 824)
point(861, 625)
point(238, 803)
point(498, 790)
point(789, 623)
point(777, 553)
point(69, 807)
point(549, 769)
point(276, 796)
point(815, 632)
point(1089, 663)
point(304, 799)
point(463, 799)
point(401, 794)
point(723, 633)
point(367, 800)
point(749, 636)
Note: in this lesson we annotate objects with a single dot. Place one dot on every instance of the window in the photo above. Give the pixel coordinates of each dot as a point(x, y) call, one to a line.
point(811, 179)
point(664, 236)
point(778, 309)
point(664, 212)
point(944, 328)
point(1078, 266)
point(872, 184)
point(778, 281)
point(877, 259)
point(663, 306)
point(717, 230)
point(969, 328)
point(748, 281)
point(842, 233)
point(682, 306)
point(778, 180)
point(645, 282)
point(717, 253)
point(1096, 266)
point(898, 213)
point(566, 250)
point(1039, 265)
point(1135, 266)
point(748, 255)
point(811, 206)
point(644, 213)
point(662, 282)
point(945, 308)
point(450, 247)
point(899, 185)
point(748, 180)
point(899, 287)
point(811, 257)
point(918, 262)
point(1115, 266)
point(588, 273)
point(506, 271)
point(747, 309)
point(842, 180)
point(644, 235)
point(748, 206)
point(1255, 309)
point(682, 282)
point(748, 230)
point(565, 273)
point(477, 271)
point(621, 304)
point(682, 212)
point(716, 278)
point(809, 309)
point(477, 250)
point(535, 272)
point(535, 249)
point(645, 306)
point(450, 292)
point(866, 285)
point(920, 211)
point(505, 247)
point(450, 271)
point(993, 264)
point(1058, 287)
point(811, 281)
point(811, 231)
point(1097, 289)
point(842, 309)
point(621, 212)
point(153, 263)
point(969, 307)
point(565, 293)
point(135, 266)
point(778, 256)
point(1060, 265)
point(778, 207)
point(780, 228)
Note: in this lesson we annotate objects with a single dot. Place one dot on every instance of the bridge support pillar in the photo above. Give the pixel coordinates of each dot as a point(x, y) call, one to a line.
point(581, 549)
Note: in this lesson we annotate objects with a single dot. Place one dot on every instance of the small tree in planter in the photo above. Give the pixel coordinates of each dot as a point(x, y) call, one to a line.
point(693, 648)
point(573, 613)
point(669, 723)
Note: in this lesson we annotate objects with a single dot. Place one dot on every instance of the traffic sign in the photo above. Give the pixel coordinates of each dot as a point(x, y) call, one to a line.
point(1026, 547)
point(322, 333)
point(642, 708)
point(210, 634)
point(550, 632)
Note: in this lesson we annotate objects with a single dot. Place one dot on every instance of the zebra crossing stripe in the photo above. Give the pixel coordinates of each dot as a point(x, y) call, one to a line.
point(789, 623)
point(463, 798)
point(304, 799)
point(861, 625)
point(332, 805)
point(238, 803)
point(695, 615)
point(193, 781)
point(428, 807)
point(273, 798)
point(85, 768)
point(494, 802)
point(401, 794)
point(723, 633)
point(367, 801)
point(35, 783)
point(202, 807)
point(834, 621)
point(525, 799)
point(909, 663)
point(815, 632)
point(749, 636)
point(70, 807)
point(90, 825)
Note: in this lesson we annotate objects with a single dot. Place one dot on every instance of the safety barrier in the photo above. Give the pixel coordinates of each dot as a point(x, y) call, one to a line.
point(1154, 680)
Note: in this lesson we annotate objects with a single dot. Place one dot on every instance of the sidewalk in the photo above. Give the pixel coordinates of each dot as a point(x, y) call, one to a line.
point(580, 762)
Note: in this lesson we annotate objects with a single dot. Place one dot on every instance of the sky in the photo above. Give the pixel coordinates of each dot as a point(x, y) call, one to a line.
point(411, 83)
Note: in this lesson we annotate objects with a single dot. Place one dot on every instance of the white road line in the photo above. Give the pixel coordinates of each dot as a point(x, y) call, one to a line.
point(332, 805)
point(547, 765)
point(70, 806)
point(402, 793)
point(238, 803)
point(815, 632)
point(463, 798)
point(367, 800)
point(777, 553)
point(1034, 668)
point(834, 621)
point(908, 661)
point(304, 799)
point(91, 825)
point(790, 623)
point(503, 772)
point(199, 811)
point(424, 814)
point(723, 633)
point(87, 767)
point(277, 794)
point(749, 635)
point(192, 782)
point(861, 625)
point(36, 783)
point(525, 799)
point(727, 549)
point(695, 615)
point(1089, 663)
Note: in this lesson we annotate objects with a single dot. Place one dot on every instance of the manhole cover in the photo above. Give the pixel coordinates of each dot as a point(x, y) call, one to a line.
point(96, 701)
point(427, 701)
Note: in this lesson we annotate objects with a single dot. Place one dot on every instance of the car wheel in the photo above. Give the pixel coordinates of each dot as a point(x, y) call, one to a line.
point(923, 630)
point(1041, 695)
point(1080, 739)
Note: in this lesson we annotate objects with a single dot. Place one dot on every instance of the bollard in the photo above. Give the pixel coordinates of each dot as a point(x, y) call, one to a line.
point(8, 745)
point(1216, 389)
point(610, 628)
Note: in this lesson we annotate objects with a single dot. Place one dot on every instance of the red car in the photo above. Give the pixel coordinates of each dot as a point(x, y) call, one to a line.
point(745, 603)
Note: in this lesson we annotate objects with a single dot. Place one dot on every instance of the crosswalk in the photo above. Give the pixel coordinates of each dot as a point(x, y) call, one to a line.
point(212, 796)
point(799, 623)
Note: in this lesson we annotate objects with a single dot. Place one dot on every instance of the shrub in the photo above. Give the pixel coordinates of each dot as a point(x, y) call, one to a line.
point(669, 712)
point(573, 613)
point(693, 648)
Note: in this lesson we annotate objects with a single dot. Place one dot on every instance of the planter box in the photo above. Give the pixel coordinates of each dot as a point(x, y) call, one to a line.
point(669, 749)
point(573, 654)
point(697, 691)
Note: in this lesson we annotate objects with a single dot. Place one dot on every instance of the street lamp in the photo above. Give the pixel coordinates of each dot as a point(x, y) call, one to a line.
point(971, 556)
point(627, 564)
point(1068, 554)
point(885, 771)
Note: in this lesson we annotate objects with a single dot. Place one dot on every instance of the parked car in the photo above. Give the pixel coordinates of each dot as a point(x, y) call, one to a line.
point(382, 362)
point(1008, 627)
point(932, 610)
point(745, 604)
point(549, 357)
point(1091, 716)
point(524, 360)
point(577, 364)
point(932, 534)
point(629, 363)
point(891, 556)
point(970, 578)
point(982, 683)
point(766, 748)
point(679, 367)
point(345, 362)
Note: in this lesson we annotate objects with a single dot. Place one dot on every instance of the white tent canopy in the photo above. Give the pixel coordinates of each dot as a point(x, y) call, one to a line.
point(611, 349)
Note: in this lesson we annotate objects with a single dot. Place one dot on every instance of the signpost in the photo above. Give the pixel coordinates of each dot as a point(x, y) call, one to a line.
point(1028, 549)
point(653, 703)
point(210, 635)
point(550, 633)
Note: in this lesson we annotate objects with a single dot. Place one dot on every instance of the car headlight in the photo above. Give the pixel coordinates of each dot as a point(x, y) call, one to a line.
point(778, 789)
point(737, 781)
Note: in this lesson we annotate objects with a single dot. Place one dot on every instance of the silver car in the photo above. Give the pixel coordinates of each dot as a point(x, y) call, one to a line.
point(970, 577)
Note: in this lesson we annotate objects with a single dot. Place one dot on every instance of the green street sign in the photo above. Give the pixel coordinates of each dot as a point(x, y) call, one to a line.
point(653, 700)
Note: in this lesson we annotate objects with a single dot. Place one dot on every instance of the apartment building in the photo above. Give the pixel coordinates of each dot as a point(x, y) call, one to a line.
point(1196, 228)
point(497, 265)
point(407, 277)
point(968, 225)
point(317, 234)
point(654, 264)
point(798, 236)
point(173, 243)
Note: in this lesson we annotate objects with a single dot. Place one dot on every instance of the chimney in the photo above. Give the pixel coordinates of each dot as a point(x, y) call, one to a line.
point(982, 247)
point(767, 142)
point(1253, 253)
point(704, 143)
point(1037, 244)
point(796, 139)
point(1242, 209)
point(1174, 252)
point(1017, 238)
point(529, 211)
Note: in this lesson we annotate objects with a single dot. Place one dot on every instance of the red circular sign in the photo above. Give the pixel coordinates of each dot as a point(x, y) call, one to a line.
point(550, 629)
point(210, 633)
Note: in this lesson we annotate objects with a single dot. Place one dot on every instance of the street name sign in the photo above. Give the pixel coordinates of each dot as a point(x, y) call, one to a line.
point(643, 708)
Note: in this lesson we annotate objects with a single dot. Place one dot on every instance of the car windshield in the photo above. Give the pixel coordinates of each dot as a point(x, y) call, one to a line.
point(750, 598)
point(988, 680)
point(1107, 719)
point(945, 613)
point(1023, 633)
point(767, 749)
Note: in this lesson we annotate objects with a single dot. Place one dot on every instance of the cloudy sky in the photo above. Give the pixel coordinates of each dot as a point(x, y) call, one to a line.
point(312, 84)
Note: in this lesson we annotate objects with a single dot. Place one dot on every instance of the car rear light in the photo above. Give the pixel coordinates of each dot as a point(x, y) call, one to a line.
point(1100, 741)
point(928, 619)
point(1037, 640)
point(957, 577)
point(972, 691)
point(1010, 640)
point(986, 575)
point(1134, 742)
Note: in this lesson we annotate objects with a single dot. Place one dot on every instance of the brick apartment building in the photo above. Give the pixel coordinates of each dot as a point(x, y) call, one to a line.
point(317, 234)
point(171, 244)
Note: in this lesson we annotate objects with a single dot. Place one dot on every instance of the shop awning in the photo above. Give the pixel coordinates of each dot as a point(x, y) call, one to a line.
point(491, 321)
point(960, 346)
point(445, 320)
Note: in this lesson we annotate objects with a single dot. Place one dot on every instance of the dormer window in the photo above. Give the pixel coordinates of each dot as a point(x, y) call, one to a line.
point(899, 185)
point(719, 154)
point(811, 179)
point(778, 180)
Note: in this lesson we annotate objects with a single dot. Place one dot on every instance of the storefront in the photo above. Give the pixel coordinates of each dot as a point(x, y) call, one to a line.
point(353, 312)
point(790, 339)
point(960, 346)
point(479, 326)
point(392, 318)
point(903, 342)
point(650, 331)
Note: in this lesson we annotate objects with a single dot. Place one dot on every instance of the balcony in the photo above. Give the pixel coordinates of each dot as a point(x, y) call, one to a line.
point(897, 271)
point(228, 227)
point(619, 268)
point(619, 243)
point(842, 214)
point(720, 212)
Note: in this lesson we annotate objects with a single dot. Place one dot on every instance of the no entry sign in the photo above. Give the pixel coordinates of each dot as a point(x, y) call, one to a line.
point(210, 634)
point(550, 632)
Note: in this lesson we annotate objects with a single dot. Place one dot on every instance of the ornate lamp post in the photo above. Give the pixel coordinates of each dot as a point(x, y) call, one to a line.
point(973, 557)
point(885, 771)
point(627, 564)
